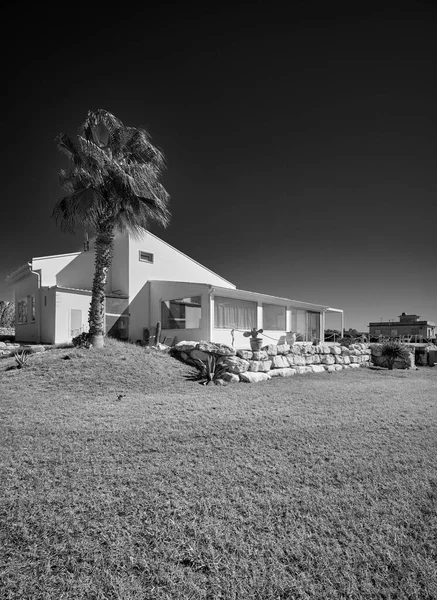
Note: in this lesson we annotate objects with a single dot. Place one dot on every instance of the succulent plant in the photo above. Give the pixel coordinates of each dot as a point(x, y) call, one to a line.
point(253, 333)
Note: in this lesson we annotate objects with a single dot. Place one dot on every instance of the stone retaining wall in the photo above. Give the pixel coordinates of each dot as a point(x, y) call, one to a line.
point(275, 360)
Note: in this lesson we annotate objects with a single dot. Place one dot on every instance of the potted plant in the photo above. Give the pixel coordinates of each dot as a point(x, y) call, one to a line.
point(255, 341)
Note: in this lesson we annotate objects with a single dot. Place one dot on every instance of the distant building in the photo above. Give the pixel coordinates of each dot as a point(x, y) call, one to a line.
point(407, 325)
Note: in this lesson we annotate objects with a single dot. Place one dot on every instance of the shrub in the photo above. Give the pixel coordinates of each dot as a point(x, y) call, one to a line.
point(82, 340)
point(392, 350)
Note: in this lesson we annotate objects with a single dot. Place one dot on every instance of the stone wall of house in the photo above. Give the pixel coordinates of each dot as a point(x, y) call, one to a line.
point(275, 360)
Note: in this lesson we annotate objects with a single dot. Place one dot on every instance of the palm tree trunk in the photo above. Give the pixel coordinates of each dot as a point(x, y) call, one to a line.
point(104, 249)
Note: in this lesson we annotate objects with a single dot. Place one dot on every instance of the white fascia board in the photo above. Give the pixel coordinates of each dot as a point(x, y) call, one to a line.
point(19, 273)
point(245, 294)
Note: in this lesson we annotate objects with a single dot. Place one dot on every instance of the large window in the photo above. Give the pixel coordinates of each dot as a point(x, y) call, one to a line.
point(230, 313)
point(181, 313)
point(22, 312)
point(299, 324)
point(274, 317)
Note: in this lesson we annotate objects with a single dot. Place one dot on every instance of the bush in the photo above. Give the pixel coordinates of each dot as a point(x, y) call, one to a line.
point(392, 351)
point(82, 340)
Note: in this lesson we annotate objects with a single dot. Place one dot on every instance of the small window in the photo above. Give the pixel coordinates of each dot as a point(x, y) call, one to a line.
point(32, 308)
point(22, 312)
point(146, 256)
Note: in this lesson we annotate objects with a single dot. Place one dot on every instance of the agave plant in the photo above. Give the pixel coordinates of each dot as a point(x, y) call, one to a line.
point(211, 371)
point(392, 350)
point(21, 358)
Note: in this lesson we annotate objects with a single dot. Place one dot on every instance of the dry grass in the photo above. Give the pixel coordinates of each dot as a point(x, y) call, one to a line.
point(319, 486)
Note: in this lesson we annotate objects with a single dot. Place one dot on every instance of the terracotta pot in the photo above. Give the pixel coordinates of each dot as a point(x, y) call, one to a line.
point(256, 344)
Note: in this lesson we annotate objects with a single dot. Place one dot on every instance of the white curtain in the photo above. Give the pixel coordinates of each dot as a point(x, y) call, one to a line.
point(230, 313)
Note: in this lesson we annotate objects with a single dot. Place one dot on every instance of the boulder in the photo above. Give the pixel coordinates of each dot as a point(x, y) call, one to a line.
point(282, 348)
point(199, 355)
point(271, 349)
point(355, 359)
point(339, 359)
point(317, 368)
point(250, 377)
point(231, 378)
point(279, 362)
point(265, 366)
point(299, 361)
point(330, 368)
point(344, 350)
point(316, 359)
point(303, 370)
point(285, 372)
point(328, 359)
point(234, 364)
point(259, 355)
point(335, 350)
point(326, 350)
point(254, 366)
point(309, 359)
point(245, 354)
point(216, 348)
point(185, 346)
point(354, 365)
point(296, 349)
point(346, 360)
point(291, 359)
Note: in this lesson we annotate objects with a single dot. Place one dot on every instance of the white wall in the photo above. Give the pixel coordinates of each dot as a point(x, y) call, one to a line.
point(24, 289)
point(65, 301)
point(47, 315)
point(78, 273)
point(51, 265)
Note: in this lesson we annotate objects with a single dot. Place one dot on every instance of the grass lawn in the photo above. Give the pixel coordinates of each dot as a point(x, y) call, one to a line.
point(122, 479)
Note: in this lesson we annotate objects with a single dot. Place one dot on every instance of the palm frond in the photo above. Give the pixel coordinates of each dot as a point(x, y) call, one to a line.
point(85, 207)
point(68, 147)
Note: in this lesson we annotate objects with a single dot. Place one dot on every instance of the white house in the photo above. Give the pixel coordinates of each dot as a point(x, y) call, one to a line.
point(151, 281)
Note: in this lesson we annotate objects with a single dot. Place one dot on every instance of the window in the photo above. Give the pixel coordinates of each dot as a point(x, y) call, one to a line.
point(22, 312)
point(32, 308)
point(274, 317)
point(181, 313)
point(299, 324)
point(230, 313)
point(146, 257)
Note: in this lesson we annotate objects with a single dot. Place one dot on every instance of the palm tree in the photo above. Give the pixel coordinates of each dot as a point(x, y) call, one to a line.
point(112, 185)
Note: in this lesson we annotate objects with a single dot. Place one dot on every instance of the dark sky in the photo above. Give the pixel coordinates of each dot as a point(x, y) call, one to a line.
point(301, 145)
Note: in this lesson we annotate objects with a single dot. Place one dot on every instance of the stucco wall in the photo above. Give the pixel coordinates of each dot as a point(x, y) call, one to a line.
point(24, 289)
point(47, 314)
point(169, 265)
point(78, 273)
point(51, 266)
point(65, 301)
